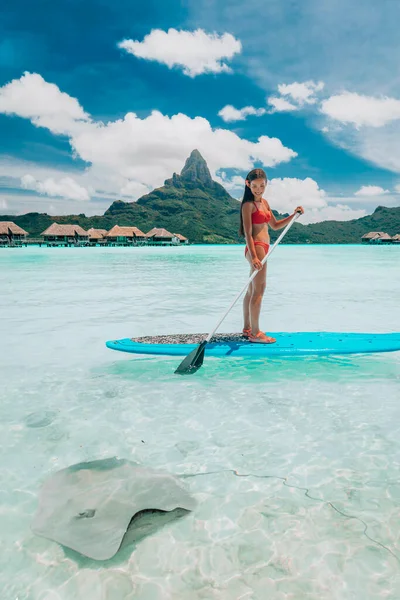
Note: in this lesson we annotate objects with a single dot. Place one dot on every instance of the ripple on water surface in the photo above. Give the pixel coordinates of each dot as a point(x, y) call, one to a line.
point(294, 462)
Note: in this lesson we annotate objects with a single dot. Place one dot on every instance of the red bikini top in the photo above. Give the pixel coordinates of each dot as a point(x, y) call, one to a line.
point(258, 217)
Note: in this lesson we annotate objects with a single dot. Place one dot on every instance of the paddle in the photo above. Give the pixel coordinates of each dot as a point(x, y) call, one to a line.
point(193, 361)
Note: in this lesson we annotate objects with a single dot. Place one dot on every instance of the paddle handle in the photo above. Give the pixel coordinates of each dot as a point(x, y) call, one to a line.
point(270, 251)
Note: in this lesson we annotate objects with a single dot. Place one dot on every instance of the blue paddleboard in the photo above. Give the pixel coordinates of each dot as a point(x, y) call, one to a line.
point(287, 344)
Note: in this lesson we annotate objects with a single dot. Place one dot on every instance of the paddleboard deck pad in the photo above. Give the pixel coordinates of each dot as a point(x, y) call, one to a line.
point(287, 344)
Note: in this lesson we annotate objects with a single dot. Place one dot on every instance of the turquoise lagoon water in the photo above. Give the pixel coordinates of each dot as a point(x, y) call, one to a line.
point(315, 511)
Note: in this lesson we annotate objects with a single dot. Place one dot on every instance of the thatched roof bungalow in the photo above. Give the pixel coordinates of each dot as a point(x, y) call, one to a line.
point(396, 238)
point(384, 238)
point(96, 235)
point(182, 239)
point(161, 235)
point(10, 232)
point(69, 234)
point(125, 235)
point(376, 236)
point(372, 235)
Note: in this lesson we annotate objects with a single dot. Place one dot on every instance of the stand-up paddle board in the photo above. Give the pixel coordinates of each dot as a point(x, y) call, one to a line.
point(287, 344)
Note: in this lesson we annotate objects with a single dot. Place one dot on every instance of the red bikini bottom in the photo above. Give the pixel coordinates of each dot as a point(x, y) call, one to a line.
point(263, 244)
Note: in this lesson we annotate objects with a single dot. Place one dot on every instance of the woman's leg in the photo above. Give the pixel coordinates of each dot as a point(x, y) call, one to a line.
point(256, 294)
point(259, 285)
point(246, 307)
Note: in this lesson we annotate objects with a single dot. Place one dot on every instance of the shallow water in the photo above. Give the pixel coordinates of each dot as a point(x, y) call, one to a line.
point(294, 462)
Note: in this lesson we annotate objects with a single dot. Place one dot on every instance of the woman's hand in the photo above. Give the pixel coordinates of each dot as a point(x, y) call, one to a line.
point(256, 262)
point(299, 209)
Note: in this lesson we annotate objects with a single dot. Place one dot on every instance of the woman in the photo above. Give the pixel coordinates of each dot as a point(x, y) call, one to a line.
point(255, 216)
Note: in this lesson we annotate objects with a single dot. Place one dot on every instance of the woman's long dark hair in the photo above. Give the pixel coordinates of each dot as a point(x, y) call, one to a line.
point(248, 194)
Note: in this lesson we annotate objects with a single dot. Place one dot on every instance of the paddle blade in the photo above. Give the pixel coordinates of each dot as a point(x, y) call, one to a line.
point(193, 361)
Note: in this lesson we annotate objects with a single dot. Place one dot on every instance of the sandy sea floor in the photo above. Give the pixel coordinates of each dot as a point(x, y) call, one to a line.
point(294, 462)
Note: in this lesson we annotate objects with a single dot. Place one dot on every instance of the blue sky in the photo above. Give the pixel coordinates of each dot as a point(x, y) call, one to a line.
point(104, 100)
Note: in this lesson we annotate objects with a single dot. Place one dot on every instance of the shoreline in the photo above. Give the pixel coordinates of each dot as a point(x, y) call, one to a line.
point(197, 245)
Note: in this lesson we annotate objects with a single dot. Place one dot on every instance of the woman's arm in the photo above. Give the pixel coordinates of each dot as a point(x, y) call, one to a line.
point(276, 225)
point(247, 209)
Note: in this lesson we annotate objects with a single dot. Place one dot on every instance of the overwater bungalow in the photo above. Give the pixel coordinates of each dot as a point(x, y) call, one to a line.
point(97, 236)
point(396, 238)
point(182, 239)
point(160, 236)
point(65, 235)
point(372, 235)
point(384, 239)
point(376, 237)
point(11, 234)
point(125, 236)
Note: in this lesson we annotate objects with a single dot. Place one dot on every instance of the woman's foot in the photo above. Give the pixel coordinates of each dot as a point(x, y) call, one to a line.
point(261, 338)
point(246, 332)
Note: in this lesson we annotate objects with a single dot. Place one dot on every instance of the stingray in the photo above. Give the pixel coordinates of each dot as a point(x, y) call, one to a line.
point(97, 507)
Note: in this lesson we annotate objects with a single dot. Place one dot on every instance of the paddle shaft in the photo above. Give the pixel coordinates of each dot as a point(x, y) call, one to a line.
point(270, 251)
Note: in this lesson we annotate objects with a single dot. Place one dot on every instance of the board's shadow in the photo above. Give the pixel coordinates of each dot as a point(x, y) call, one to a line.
point(326, 368)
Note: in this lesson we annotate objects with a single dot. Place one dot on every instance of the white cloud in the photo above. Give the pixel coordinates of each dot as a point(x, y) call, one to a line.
point(13, 168)
point(132, 155)
point(65, 187)
point(289, 192)
point(397, 188)
point(134, 189)
point(367, 61)
point(234, 185)
point(144, 152)
point(379, 144)
point(93, 179)
point(315, 44)
point(3, 204)
point(371, 190)
point(285, 194)
point(148, 150)
point(361, 110)
point(333, 212)
point(325, 129)
point(370, 202)
point(33, 98)
point(19, 204)
point(301, 93)
point(196, 52)
point(280, 104)
point(229, 113)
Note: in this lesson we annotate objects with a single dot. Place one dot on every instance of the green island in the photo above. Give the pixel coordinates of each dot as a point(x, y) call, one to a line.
point(201, 210)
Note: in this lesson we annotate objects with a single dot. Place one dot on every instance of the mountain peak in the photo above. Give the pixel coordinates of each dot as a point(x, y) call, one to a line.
point(196, 169)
